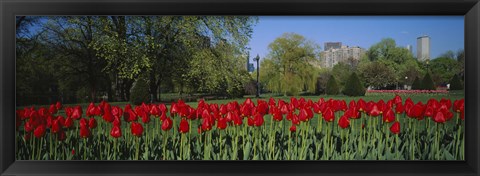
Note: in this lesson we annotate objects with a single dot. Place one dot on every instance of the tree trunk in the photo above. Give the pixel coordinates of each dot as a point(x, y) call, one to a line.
point(153, 86)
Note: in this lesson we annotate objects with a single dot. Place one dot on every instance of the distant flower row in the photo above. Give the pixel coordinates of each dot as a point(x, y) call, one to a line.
point(409, 91)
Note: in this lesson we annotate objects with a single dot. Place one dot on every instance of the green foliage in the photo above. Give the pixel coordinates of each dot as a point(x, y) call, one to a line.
point(427, 83)
point(443, 69)
point(322, 80)
point(455, 83)
point(354, 87)
point(289, 67)
point(416, 85)
point(377, 74)
point(139, 92)
point(332, 86)
point(387, 49)
point(342, 71)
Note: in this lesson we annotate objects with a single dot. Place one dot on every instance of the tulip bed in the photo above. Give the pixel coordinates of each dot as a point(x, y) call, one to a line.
point(264, 130)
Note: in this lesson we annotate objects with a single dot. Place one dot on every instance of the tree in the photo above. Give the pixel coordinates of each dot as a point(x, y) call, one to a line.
point(75, 61)
point(455, 83)
point(322, 80)
point(377, 75)
point(354, 87)
point(139, 92)
point(427, 83)
point(332, 86)
point(416, 85)
point(289, 65)
point(443, 69)
point(342, 71)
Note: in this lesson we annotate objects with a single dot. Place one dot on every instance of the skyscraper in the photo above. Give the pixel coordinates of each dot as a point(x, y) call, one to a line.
point(423, 48)
point(409, 48)
point(332, 45)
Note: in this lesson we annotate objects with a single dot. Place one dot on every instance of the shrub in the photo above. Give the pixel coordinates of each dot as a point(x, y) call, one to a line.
point(455, 83)
point(332, 86)
point(353, 87)
point(427, 82)
point(140, 92)
point(416, 85)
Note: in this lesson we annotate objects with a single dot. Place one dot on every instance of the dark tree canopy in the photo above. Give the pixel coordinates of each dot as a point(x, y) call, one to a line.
point(354, 87)
point(427, 83)
point(332, 86)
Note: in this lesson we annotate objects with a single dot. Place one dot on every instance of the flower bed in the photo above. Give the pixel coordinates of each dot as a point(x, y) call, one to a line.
point(409, 91)
point(263, 130)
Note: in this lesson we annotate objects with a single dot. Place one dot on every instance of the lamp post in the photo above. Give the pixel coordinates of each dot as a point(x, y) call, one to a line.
point(406, 85)
point(258, 73)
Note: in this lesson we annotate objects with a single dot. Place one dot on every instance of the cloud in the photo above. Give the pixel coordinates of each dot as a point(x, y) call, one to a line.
point(404, 32)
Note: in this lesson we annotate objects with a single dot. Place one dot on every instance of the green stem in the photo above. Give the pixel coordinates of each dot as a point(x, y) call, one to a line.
point(33, 147)
point(137, 142)
point(165, 144)
point(84, 148)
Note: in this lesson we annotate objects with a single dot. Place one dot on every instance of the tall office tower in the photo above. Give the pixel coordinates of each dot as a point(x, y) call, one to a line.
point(410, 48)
point(423, 48)
point(332, 45)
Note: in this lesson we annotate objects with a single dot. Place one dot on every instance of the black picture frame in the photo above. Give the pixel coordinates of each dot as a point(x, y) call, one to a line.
point(10, 8)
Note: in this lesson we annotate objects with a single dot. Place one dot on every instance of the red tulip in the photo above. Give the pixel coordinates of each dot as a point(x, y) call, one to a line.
point(61, 136)
point(439, 117)
point(68, 122)
point(163, 108)
point(83, 123)
point(183, 126)
point(52, 109)
point(397, 100)
point(136, 129)
point(167, 124)
point(116, 132)
point(388, 116)
point(344, 122)
point(303, 115)
point(399, 108)
point(293, 128)
point(84, 132)
point(271, 101)
point(428, 111)
point(329, 116)
point(222, 123)
point(155, 111)
point(250, 121)
point(39, 131)
point(258, 120)
point(206, 124)
point(58, 105)
point(395, 128)
point(56, 126)
point(416, 111)
point(117, 122)
point(28, 127)
point(361, 105)
point(375, 111)
point(459, 105)
point(77, 112)
point(92, 123)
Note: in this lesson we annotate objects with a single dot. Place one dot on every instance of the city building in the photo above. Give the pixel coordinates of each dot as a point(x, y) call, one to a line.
point(249, 66)
point(346, 54)
point(423, 48)
point(332, 45)
point(410, 48)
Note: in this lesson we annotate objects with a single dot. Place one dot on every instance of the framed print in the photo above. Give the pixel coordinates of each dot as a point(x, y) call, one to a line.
point(254, 87)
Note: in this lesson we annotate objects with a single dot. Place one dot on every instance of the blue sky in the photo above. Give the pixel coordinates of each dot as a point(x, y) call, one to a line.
point(446, 32)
